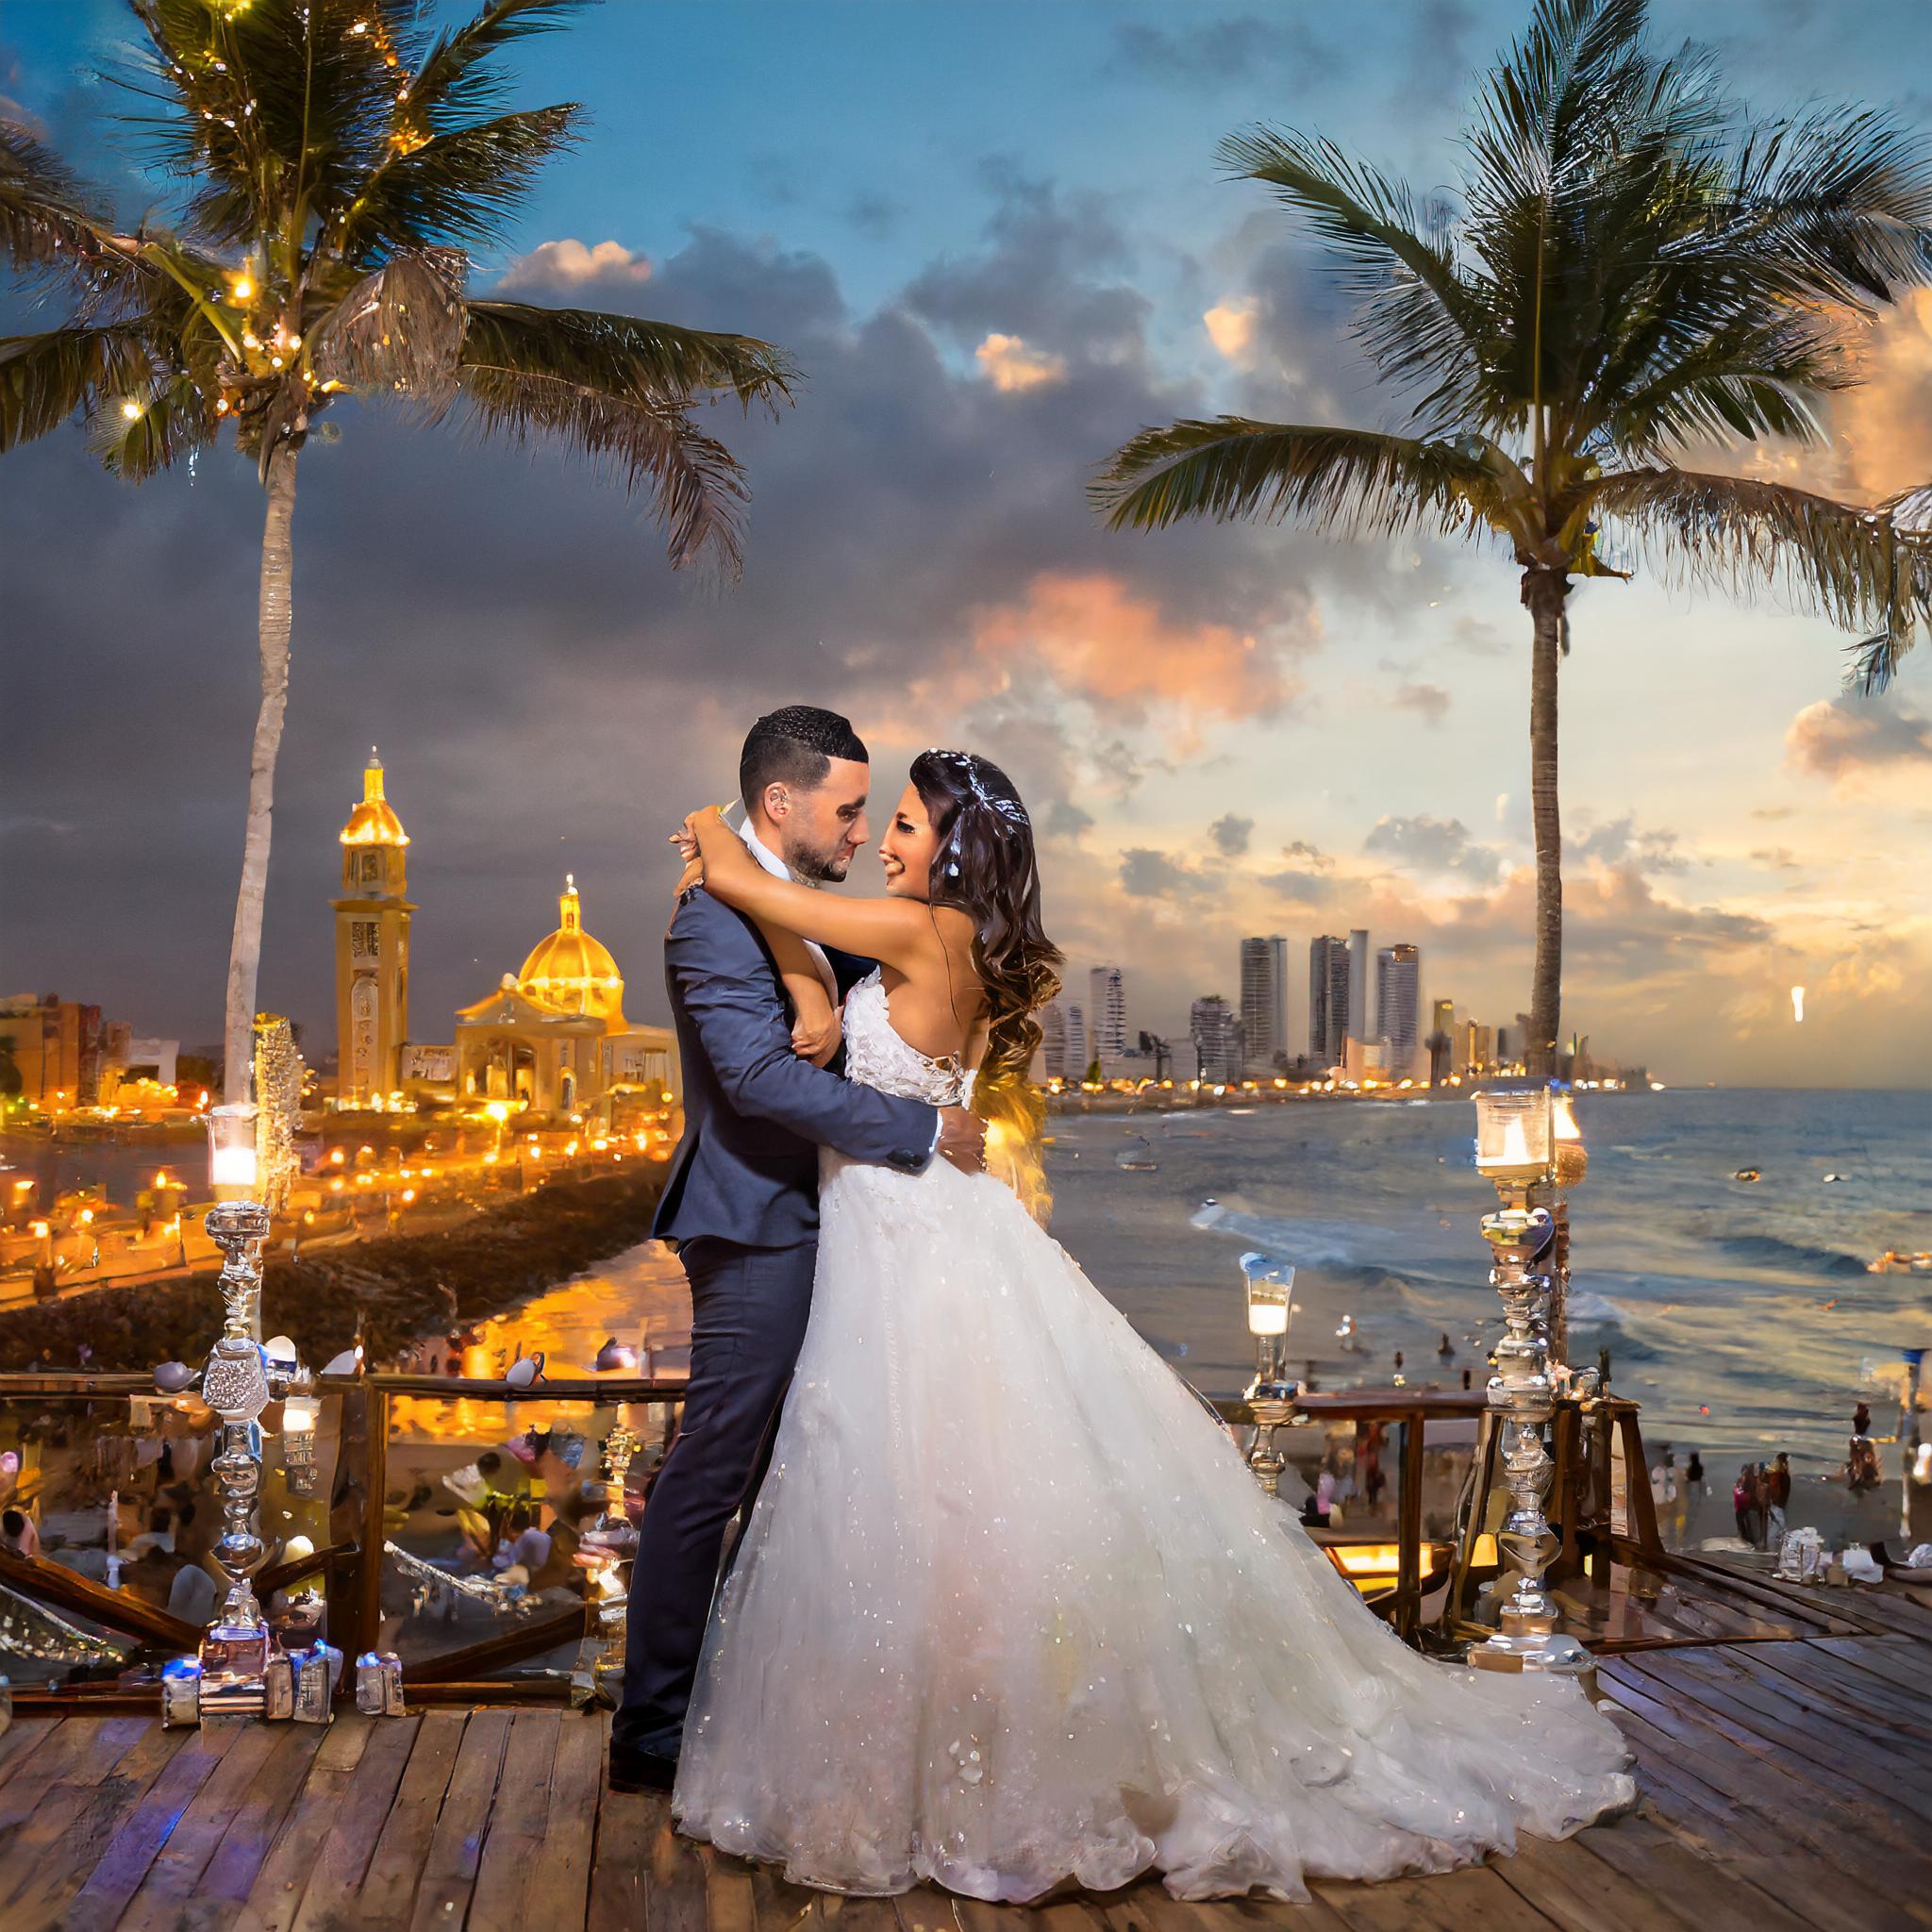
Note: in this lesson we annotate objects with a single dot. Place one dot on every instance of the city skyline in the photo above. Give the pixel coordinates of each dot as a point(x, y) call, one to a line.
point(1220, 731)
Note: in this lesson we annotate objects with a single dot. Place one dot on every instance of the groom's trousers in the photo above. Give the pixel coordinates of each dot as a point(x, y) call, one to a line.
point(749, 1307)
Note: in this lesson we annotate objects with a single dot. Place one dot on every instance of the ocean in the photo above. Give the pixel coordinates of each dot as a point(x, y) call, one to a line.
point(1741, 1315)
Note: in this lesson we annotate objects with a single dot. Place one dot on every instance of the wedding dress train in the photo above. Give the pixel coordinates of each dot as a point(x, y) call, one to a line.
point(1010, 1610)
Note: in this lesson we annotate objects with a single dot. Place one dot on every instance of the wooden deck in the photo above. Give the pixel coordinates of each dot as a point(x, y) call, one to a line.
point(1787, 1783)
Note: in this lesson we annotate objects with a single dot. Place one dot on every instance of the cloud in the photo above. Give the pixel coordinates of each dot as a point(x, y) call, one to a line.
point(1429, 701)
point(1207, 53)
point(1011, 365)
point(1231, 834)
point(1428, 846)
point(553, 266)
point(1122, 654)
point(1777, 858)
point(1479, 636)
point(1146, 873)
point(1618, 842)
point(1882, 427)
point(1231, 328)
point(1841, 738)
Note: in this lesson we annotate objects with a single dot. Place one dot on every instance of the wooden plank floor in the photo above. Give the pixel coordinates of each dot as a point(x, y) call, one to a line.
point(1785, 1785)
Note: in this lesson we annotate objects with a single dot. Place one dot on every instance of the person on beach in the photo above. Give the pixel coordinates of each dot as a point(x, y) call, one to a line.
point(1010, 1610)
point(1778, 1499)
point(1744, 1502)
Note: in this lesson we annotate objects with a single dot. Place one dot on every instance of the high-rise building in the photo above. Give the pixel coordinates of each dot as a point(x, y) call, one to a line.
point(1264, 1002)
point(1063, 1045)
point(1442, 1017)
point(1216, 1031)
point(1398, 1008)
point(1358, 1015)
point(1107, 1017)
point(1327, 1000)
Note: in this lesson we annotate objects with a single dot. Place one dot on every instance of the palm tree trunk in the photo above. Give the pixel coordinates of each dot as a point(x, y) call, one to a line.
point(274, 618)
point(1545, 591)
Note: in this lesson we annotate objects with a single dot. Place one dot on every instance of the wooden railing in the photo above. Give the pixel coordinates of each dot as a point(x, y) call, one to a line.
point(349, 1564)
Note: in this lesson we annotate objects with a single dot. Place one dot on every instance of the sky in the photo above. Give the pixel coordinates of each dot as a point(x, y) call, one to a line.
point(996, 239)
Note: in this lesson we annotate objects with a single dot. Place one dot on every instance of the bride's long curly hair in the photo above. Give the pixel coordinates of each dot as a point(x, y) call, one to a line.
point(984, 865)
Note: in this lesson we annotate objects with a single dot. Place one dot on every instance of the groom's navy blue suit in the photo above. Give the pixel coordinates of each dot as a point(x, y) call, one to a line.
point(742, 1203)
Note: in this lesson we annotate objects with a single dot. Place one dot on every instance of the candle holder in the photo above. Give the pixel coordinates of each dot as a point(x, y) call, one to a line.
point(235, 1383)
point(608, 1543)
point(1271, 1397)
point(1520, 1136)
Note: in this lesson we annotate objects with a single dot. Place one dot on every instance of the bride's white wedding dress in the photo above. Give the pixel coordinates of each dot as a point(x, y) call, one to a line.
point(1010, 1609)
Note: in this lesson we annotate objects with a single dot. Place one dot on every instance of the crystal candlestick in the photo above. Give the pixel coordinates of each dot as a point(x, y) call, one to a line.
point(235, 1386)
point(1522, 1397)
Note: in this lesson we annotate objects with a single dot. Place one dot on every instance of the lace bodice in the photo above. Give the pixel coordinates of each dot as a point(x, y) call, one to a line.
point(876, 1057)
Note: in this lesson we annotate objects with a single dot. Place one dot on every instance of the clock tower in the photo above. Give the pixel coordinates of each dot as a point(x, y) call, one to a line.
point(371, 949)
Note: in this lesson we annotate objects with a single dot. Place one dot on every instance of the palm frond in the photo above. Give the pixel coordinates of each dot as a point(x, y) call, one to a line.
point(45, 378)
point(453, 82)
point(1422, 316)
point(1857, 567)
point(464, 187)
point(697, 488)
point(54, 224)
point(626, 356)
point(1347, 481)
point(398, 331)
point(1843, 195)
point(271, 114)
point(175, 419)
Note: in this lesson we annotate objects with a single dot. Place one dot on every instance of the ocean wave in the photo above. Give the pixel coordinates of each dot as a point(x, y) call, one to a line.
point(1767, 1251)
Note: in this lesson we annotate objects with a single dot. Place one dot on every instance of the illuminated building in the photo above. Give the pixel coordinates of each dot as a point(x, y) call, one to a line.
point(1398, 1008)
point(1328, 979)
point(372, 948)
point(1264, 1003)
point(1063, 1041)
point(49, 1050)
point(1357, 1023)
point(1106, 1009)
point(1217, 1034)
point(554, 1036)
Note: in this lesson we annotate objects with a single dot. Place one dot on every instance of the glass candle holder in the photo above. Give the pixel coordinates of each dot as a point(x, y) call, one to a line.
point(1515, 1132)
point(232, 1162)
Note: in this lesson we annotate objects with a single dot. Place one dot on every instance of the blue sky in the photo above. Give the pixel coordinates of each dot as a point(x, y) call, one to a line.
point(997, 241)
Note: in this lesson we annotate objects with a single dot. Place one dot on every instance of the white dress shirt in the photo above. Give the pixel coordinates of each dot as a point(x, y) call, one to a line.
point(779, 870)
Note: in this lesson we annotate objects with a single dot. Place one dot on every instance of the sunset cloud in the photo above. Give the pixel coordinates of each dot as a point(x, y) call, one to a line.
point(1011, 365)
point(1231, 328)
point(1122, 654)
point(568, 264)
point(1842, 737)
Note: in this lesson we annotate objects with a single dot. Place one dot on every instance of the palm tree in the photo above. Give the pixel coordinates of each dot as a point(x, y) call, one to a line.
point(1637, 270)
point(335, 163)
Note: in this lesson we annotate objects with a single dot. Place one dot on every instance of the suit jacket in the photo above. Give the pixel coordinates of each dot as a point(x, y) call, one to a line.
point(755, 1114)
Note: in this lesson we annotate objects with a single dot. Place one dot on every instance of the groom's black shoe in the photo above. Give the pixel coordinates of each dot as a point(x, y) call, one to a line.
point(641, 1771)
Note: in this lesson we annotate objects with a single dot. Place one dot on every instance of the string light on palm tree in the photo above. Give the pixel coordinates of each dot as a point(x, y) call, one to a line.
point(338, 159)
point(1637, 270)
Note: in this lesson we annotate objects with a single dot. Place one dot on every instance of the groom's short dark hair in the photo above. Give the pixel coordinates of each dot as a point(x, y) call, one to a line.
point(795, 746)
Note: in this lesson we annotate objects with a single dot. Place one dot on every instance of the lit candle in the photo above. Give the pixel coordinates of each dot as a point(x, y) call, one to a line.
point(232, 1171)
point(1267, 1318)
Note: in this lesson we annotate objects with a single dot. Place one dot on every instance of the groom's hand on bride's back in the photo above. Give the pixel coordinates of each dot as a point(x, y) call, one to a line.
point(962, 1139)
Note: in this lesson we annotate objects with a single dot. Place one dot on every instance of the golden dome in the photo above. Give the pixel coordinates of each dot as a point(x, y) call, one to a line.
point(373, 822)
point(569, 971)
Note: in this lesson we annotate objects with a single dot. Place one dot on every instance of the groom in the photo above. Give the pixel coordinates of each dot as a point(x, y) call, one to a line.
point(740, 1203)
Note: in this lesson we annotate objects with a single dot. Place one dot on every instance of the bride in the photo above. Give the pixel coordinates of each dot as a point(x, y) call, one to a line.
point(1010, 1609)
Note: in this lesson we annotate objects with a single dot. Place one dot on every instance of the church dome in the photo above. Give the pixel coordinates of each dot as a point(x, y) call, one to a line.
point(373, 822)
point(570, 971)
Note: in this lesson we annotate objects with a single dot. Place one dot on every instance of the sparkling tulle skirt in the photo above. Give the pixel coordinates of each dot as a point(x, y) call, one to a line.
point(1010, 1610)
